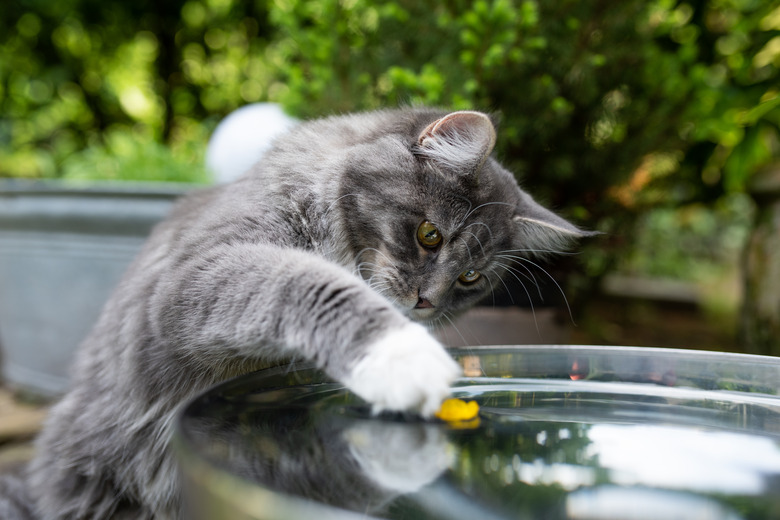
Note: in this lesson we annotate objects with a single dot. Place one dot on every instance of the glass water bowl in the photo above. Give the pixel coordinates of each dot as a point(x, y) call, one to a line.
point(573, 432)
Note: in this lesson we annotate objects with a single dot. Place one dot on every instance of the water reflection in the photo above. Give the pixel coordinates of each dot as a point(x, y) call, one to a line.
point(392, 468)
point(680, 458)
point(350, 464)
point(399, 458)
point(548, 447)
point(636, 503)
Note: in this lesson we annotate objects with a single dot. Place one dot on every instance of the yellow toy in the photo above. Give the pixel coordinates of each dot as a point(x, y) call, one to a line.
point(454, 410)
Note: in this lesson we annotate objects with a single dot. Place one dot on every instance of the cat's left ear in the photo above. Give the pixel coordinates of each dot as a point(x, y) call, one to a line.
point(540, 230)
point(459, 142)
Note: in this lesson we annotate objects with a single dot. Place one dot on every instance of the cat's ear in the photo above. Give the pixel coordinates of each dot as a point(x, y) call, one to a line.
point(459, 142)
point(539, 230)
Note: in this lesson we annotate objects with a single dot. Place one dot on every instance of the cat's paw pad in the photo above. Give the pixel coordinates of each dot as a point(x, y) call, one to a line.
point(407, 369)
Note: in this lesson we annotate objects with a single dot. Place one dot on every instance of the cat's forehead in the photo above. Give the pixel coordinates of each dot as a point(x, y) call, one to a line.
point(388, 168)
point(464, 203)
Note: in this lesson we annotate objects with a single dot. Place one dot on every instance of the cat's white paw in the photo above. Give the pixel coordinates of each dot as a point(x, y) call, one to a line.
point(407, 369)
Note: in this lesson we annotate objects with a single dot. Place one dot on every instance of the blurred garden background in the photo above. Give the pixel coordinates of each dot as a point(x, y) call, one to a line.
point(648, 120)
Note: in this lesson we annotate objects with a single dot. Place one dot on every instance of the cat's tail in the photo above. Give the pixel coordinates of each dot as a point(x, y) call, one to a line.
point(15, 501)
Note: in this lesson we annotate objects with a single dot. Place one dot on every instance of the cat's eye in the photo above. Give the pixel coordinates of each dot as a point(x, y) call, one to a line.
point(469, 276)
point(428, 235)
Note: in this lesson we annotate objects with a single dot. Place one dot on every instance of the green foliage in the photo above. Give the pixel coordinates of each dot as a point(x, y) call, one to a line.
point(694, 242)
point(124, 157)
point(586, 91)
point(732, 120)
point(539, 66)
point(606, 108)
point(73, 73)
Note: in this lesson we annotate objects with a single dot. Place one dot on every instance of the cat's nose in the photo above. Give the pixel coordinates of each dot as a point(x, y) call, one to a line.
point(423, 303)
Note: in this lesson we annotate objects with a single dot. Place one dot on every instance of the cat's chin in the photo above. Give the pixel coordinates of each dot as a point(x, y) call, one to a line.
point(423, 315)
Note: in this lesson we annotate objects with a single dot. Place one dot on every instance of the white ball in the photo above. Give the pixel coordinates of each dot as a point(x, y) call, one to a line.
point(241, 139)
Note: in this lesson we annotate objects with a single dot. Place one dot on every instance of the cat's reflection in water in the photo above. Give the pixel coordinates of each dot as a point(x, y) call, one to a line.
point(400, 458)
point(361, 464)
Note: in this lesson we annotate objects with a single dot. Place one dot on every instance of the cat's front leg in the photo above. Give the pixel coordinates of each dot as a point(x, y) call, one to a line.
point(261, 301)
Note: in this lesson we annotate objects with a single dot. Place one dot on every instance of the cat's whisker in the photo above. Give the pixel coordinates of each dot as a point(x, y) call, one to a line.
point(530, 276)
point(492, 289)
point(435, 324)
point(516, 273)
point(468, 250)
point(375, 270)
point(381, 287)
point(527, 293)
point(393, 301)
point(508, 291)
point(518, 258)
point(482, 206)
point(468, 211)
point(455, 327)
point(367, 266)
point(560, 289)
point(522, 259)
point(367, 275)
point(545, 251)
point(374, 273)
point(490, 232)
point(533, 277)
point(333, 204)
point(479, 242)
point(360, 253)
point(380, 284)
point(377, 280)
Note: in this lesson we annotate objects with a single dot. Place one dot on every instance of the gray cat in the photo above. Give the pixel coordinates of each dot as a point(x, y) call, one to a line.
point(350, 232)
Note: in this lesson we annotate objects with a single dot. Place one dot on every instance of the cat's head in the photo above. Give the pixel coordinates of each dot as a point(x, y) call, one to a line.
point(434, 222)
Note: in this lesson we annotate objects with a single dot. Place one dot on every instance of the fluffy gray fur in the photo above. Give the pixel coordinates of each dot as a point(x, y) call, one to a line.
point(313, 254)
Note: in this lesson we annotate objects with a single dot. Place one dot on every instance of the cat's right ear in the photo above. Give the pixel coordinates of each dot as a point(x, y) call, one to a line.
point(459, 142)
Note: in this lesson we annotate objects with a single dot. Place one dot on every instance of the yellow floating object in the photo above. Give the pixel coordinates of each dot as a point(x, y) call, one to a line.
point(453, 410)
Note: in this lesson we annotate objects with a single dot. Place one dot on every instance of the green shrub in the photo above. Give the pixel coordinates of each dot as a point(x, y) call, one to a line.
point(587, 92)
point(607, 108)
point(126, 157)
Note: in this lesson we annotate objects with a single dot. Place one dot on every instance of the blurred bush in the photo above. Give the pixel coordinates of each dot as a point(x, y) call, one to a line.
point(697, 242)
point(123, 156)
point(598, 99)
point(607, 108)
